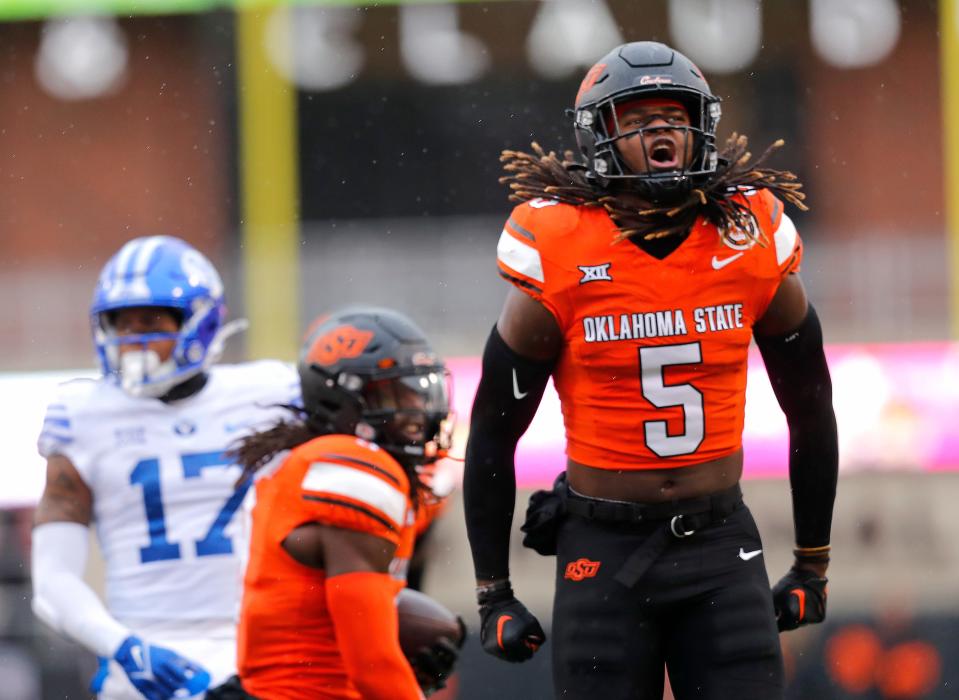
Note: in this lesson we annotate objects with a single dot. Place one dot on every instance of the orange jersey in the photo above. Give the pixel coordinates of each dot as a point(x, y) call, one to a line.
point(653, 369)
point(287, 642)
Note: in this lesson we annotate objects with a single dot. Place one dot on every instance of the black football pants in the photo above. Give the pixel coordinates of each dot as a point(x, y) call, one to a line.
point(703, 610)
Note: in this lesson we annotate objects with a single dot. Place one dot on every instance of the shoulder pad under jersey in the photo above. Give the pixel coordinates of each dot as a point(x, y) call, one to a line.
point(783, 247)
point(533, 252)
point(353, 484)
point(263, 382)
point(531, 233)
point(70, 421)
point(778, 230)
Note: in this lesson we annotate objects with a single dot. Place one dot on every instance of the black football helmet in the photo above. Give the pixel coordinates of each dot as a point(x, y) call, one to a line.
point(372, 373)
point(638, 70)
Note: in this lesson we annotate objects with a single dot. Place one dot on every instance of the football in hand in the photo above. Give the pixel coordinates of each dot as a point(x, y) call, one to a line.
point(423, 621)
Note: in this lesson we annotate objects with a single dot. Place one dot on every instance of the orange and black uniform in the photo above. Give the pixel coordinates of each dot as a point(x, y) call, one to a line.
point(653, 365)
point(292, 641)
point(652, 375)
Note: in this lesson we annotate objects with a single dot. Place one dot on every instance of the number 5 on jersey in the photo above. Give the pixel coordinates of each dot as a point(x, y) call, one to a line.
point(147, 474)
point(652, 362)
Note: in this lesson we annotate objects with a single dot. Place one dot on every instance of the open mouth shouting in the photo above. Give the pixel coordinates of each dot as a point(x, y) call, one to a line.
point(663, 154)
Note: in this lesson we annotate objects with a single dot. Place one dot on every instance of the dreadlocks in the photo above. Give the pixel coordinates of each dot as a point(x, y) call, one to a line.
point(541, 174)
point(257, 449)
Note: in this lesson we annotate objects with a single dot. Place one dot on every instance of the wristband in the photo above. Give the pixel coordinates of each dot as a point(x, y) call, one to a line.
point(812, 554)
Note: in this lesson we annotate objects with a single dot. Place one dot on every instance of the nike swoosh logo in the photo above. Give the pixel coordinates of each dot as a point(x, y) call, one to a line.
point(720, 264)
point(746, 556)
point(500, 624)
point(516, 392)
point(801, 599)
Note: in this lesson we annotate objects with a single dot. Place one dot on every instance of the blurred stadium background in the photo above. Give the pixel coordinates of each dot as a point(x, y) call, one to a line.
point(331, 152)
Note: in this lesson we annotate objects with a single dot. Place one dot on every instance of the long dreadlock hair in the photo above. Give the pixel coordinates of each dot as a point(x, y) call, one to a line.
point(541, 174)
point(258, 449)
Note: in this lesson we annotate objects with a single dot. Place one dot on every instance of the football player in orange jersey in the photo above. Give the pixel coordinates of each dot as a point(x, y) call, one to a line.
point(641, 271)
point(333, 525)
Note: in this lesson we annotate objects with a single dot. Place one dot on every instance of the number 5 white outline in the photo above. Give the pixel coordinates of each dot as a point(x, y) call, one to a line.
point(652, 360)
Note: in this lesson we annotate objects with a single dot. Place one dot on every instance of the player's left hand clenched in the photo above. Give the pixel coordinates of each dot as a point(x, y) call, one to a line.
point(508, 630)
point(799, 599)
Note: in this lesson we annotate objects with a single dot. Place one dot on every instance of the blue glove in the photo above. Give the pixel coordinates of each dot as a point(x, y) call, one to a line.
point(160, 673)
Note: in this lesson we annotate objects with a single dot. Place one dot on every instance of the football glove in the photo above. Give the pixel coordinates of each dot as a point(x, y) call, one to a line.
point(507, 629)
point(433, 665)
point(799, 599)
point(160, 673)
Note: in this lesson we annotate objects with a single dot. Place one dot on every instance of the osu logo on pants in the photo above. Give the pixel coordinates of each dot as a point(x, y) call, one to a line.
point(581, 568)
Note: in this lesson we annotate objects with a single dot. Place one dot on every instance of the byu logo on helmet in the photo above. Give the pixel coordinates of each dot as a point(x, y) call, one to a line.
point(163, 272)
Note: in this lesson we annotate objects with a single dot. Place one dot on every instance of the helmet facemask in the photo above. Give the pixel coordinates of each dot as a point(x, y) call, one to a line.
point(371, 372)
point(641, 71)
point(138, 369)
point(198, 344)
point(410, 414)
point(166, 273)
point(654, 185)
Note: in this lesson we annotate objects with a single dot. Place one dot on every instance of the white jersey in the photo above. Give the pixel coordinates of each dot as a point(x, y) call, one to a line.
point(163, 491)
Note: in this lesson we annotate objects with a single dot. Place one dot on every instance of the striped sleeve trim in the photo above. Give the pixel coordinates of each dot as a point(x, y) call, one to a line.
point(775, 212)
point(520, 257)
point(342, 503)
point(525, 233)
point(58, 437)
point(332, 479)
point(792, 264)
point(785, 239)
point(344, 459)
point(521, 283)
point(56, 422)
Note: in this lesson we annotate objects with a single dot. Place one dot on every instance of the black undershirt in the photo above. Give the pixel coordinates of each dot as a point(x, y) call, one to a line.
point(191, 386)
point(659, 248)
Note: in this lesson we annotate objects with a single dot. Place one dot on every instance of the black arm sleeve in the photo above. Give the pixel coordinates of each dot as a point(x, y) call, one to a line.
point(509, 392)
point(800, 379)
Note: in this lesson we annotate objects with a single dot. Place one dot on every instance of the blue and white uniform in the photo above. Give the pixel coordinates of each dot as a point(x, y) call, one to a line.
point(165, 502)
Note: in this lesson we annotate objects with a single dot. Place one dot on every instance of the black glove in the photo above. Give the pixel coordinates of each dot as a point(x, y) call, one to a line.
point(799, 599)
point(433, 665)
point(507, 629)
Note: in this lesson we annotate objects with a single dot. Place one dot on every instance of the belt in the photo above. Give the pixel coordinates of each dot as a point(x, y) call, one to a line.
point(680, 519)
point(722, 504)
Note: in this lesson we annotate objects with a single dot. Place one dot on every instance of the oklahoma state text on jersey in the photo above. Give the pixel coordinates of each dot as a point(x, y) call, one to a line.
point(287, 642)
point(653, 370)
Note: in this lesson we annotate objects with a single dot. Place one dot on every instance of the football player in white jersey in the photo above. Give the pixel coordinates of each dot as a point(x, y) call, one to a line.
point(139, 453)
